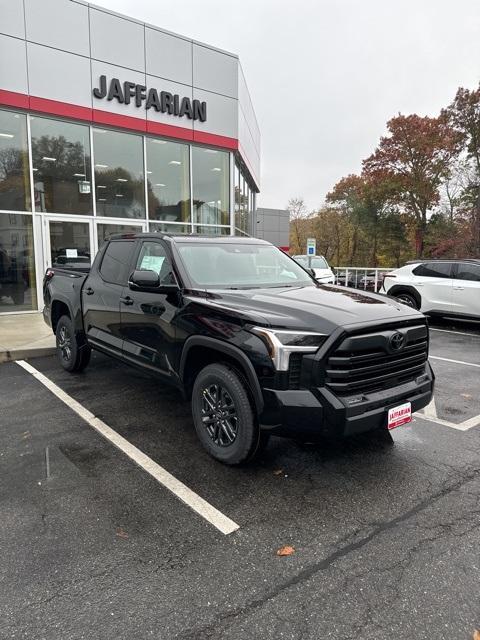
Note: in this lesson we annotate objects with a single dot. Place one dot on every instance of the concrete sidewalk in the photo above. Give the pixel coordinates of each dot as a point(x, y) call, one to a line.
point(24, 336)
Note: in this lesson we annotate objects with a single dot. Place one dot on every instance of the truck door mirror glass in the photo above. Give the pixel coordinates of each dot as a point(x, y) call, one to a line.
point(144, 279)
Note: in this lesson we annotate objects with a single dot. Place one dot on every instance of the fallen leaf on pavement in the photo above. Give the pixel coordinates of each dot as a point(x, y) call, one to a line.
point(288, 551)
point(278, 472)
point(476, 635)
point(468, 397)
point(121, 533)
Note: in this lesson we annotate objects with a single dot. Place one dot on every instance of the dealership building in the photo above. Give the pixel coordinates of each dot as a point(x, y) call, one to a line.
point(108, 125)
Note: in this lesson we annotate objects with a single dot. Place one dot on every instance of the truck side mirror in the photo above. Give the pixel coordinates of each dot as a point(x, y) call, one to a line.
point(143, 279)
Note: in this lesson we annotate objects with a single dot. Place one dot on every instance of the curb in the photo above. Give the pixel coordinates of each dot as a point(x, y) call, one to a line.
point(25, 354)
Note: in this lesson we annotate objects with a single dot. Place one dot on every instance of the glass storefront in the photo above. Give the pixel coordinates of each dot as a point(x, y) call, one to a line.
point(86, 183)
point(168, 180)
point(14, 173)
point(211, 186)
point(61, 166)
point(119, 174)
point(70, 244)
point(18, 291)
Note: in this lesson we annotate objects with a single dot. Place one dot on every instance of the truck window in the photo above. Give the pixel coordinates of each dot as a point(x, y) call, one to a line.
point(153, 257)
point(116, 261)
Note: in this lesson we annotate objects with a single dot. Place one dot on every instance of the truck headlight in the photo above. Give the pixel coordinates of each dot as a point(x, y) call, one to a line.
point(281, 343)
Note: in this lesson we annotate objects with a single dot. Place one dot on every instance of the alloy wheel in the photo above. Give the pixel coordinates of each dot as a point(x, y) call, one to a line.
point(219, 415)
point(64, 343)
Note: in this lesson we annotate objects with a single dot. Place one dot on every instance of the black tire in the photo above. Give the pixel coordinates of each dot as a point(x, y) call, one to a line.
point(71, 355)
point(223, 415)
point(408, 299)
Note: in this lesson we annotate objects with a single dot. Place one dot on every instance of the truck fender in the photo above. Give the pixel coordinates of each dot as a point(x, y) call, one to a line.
point(233, 352)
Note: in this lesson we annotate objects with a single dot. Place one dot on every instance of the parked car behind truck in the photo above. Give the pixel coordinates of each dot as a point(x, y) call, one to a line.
point(438, 287)
point(248, 335)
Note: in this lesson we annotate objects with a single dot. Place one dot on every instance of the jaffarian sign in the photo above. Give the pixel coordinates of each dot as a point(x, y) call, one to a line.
point(138, 94)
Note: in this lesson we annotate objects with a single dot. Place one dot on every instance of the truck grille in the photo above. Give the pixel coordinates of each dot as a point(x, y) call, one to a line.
point(294, 370)
point(372, 361)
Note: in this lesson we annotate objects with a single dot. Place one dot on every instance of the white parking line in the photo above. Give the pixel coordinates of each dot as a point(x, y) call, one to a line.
point(430, 413)
point(186, 495)
point(459, 333)
point(469, 364)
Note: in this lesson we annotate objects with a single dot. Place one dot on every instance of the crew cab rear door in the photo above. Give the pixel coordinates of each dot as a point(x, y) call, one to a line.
point(147, 328)
point(102, 295)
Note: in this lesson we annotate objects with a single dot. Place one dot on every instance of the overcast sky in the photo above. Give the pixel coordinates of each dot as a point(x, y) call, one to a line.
point(326, 75)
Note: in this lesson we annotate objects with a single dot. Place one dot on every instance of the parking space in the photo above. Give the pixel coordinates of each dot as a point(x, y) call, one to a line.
point(385, 536)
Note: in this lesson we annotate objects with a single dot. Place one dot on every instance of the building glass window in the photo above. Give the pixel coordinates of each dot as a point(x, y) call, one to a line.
point(70, 244)
point(14, 173)
point(168, 181)
point(211, 186)
point(119, 174)
point(237, 196)
point(61, 166)
point(18, 291)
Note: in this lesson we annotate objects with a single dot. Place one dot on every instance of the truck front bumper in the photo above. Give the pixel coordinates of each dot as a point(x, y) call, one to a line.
point(317, 412)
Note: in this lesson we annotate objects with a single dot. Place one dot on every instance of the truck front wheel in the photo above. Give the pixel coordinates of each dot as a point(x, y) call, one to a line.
point(223, 415)
point(71, 355)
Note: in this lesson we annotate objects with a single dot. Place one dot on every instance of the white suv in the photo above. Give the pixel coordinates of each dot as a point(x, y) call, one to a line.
point(323, 273)
point(437, 287)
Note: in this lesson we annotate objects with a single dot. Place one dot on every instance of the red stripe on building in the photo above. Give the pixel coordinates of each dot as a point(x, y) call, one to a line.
point(117, 120)
point(214, 139)
point(169, 130)
point(97, 116)
point(57, 108)
point(13, 99)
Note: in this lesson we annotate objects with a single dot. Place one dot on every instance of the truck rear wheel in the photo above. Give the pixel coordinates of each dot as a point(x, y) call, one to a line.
point(71, 355)
point(223, 415)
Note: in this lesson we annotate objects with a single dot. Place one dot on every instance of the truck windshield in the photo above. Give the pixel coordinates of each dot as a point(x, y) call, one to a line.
point(240, 266)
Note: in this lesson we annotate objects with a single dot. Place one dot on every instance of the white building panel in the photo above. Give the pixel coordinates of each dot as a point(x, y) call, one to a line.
point(124, 75)
point(168, 56)
point(182, 90)
point(12, 21)
point(215, 71)
point(117, 40)
point(222, 114)
point(13, 75)
point(57, 75)
point(60, 24)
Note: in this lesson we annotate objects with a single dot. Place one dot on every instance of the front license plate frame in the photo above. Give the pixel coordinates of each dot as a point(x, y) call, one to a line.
point(401, 414)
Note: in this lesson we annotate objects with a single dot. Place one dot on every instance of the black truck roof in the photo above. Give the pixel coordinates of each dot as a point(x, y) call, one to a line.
point(190, 238)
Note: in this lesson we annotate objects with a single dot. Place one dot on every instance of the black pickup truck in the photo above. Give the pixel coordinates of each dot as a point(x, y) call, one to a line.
point(248, 335)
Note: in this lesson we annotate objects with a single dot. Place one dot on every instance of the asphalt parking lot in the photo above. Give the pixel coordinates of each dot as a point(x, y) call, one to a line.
point(386, 536)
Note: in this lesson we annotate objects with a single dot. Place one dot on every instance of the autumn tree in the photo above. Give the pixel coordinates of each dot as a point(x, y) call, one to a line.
point(415, 158)
point(463, 115)
point(298, 214)
point(365, 200)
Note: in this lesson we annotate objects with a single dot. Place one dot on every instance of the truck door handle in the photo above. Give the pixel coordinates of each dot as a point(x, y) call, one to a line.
point(459, 288)
point(127, 300)
point(89, 291)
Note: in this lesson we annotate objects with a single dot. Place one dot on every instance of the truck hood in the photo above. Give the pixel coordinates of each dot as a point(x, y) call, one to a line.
point(321, 308)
